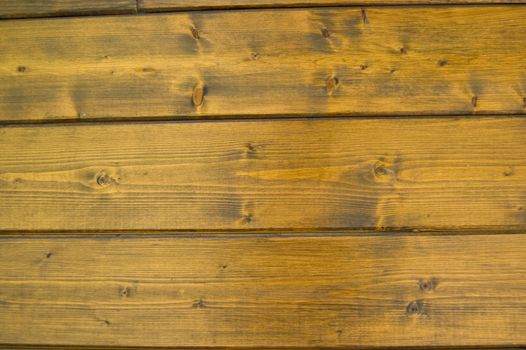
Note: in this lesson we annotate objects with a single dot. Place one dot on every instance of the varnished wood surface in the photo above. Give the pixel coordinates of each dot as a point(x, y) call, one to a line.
point(344, 61)
point(251, 291)
point(306, 174)
point(49, 8)
point(177, 5)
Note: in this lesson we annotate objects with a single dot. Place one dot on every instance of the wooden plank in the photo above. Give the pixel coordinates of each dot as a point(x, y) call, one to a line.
point(177, 5)
point(384, 61)
point(377, 174)
point(46, 8)
point(229, 291)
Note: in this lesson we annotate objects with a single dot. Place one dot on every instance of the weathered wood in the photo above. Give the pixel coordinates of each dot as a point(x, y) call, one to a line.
point(175, 5)
point(47, 8)
point(260, 291)
point(381, 61)
point(282, 174)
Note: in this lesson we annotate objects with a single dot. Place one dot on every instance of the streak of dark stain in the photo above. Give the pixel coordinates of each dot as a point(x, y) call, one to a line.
point(524, 102)
point(107, 322)
point(49, 255)
point(320, 43)
point(392, 70)
point(354, 29)
point(442, 63)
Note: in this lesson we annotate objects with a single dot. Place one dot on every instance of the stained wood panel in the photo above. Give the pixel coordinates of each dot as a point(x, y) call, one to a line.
point(276, 174)
point(262, 291)
point(345, 61)
point(45, 8)
point(175, 5)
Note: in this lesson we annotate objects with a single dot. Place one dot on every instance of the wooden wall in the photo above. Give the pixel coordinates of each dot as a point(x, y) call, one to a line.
point(262, 174)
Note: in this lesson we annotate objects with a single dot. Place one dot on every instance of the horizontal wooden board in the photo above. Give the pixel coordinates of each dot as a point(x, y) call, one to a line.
point(45, 8)
point(345, 61)
point(175, 5)
point(276, 174)
point(260, 291)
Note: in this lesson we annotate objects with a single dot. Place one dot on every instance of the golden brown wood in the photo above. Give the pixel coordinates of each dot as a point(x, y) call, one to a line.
point(278, 174)
point(45, 8)
point(381, 61)
point(264, 291)
point(174, 5)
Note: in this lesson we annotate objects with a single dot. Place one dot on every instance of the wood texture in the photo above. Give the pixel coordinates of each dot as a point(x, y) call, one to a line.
point(261, 291)
point(243, 175)
point(175, 5)
point(380, 61)
point(46, 8)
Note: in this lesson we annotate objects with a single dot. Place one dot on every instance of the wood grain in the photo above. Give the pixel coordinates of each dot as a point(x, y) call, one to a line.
point(380, 61)
point(48, 8)
point(261, 291)
point(177, 5)
point(312, 174)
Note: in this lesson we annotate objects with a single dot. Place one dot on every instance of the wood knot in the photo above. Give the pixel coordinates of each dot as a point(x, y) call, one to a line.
point(104, 179)
point(247, 218)
point(428, 285)
point(325, 33)
point(380, 170)
point(251, 150)
point(199, 304)
point(403, 50)
point(125, 292)
point(195, 33)
point(49, 255)
point(442, 63)
point(198, 95)
point(415, 307)
point(21, 69)
point(364, 67)
point(331, 85)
